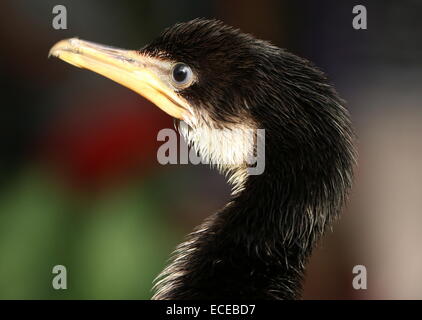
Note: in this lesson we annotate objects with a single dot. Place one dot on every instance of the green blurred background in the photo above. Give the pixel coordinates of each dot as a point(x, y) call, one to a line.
point(80, 185)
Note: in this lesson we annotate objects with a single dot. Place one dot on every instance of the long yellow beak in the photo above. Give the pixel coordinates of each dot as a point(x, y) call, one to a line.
point(144, 75)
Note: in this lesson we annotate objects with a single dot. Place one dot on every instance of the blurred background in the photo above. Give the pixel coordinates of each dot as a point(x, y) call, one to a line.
point(80, 185)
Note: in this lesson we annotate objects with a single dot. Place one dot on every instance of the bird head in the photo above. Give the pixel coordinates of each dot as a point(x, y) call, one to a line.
point(223, 84)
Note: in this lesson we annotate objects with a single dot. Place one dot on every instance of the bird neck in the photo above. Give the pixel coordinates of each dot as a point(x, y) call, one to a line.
point(254, 248)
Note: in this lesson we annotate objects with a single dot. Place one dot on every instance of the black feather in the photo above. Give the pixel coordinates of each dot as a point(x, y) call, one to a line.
point(258, 245)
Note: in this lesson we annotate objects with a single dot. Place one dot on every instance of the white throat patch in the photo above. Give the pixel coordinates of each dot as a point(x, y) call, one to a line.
point(230, 149)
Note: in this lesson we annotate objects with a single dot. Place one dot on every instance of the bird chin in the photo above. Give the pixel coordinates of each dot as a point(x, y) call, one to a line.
point(227, 149)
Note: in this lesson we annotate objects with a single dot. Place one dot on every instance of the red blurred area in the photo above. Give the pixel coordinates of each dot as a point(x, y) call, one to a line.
point(93, 143)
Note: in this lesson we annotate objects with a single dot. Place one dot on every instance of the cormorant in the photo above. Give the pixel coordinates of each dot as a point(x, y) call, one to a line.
point(212, 76)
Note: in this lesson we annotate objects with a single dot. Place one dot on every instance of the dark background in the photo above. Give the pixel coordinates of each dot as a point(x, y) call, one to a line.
point(80, 185)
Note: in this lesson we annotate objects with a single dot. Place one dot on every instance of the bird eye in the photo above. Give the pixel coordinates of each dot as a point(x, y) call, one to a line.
point(182, 75)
